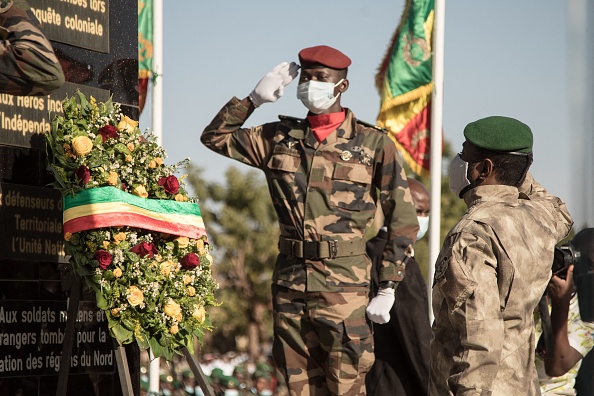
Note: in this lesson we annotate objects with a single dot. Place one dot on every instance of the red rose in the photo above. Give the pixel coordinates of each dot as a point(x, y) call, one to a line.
point(108, 131)
point(190, 261)
point(145, 249)
point(170, 184)
point(104, 258)
point(83, 174)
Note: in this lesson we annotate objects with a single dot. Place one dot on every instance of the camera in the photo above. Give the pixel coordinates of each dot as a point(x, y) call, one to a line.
point(565, 255)
point(583, 276)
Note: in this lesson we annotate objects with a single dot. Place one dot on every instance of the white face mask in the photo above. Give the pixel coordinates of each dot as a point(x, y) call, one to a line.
point(317, 96)
point(423, 226)
point(458, 175)
point(231, 392)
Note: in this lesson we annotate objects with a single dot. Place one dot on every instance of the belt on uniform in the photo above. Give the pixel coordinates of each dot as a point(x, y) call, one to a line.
point(321, 249)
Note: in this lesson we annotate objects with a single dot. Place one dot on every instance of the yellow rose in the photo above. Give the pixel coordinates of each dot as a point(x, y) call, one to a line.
point(105, 244)
point(130, 146)
point(117, 273)
point(115, 312)
point(152, 164)
point(166, 267)
point(128, 158)
point(191, 291)
point(127, 124)
point(187, 279)
point(199, 313)
point(174, 329)
point(173, 310)
point(140, 191)
point(67, 236)
point(159, 161)
point(82, 145)
point(199, 244)
point(181, 198)
point(112, 179)
point(135, 296)
point(182, 241)
point(119, 237)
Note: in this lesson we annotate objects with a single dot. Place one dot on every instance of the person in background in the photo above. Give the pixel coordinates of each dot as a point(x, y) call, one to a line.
point(494, 265)
point(28, 64)
point(571, 338)
point(401, 347)
point(326, 174)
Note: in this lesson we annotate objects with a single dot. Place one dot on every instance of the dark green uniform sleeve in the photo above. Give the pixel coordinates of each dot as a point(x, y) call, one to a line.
point(399, 213)
point(225, 136)
point(28, 65)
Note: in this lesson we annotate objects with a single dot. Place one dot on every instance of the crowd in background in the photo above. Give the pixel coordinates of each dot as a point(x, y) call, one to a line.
point(229, 374)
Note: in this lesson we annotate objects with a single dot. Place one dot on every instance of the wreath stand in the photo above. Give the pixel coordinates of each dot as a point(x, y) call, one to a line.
point(120, 353)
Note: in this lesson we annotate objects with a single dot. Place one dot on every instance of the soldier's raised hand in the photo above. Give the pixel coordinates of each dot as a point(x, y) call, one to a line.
point(271, 86)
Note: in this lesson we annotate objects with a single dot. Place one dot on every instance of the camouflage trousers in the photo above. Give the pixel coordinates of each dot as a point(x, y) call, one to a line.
point(322, 341)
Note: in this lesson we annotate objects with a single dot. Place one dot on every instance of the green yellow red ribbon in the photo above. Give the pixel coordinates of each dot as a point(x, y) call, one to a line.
point(110, 207)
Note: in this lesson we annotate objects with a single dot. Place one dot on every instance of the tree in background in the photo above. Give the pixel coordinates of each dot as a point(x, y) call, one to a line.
point(241, 224)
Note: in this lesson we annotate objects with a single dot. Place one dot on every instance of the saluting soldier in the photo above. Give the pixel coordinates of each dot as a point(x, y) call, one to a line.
point(326, 174)
point(28, 65)
point(494, 265)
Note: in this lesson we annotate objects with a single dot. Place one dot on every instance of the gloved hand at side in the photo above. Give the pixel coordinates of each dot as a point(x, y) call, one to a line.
point(272, 85)
point(379, 307)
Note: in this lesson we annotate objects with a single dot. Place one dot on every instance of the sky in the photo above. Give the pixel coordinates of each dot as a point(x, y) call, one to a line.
point(504, 57)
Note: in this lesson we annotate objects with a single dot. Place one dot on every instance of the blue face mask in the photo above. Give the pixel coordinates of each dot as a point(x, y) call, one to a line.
point(423, 226)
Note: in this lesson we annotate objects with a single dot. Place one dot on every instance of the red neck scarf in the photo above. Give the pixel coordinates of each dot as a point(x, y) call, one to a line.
point(323, 125)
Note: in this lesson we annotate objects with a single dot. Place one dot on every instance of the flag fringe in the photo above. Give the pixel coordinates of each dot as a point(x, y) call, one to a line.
point(414, 166)
point(407, 97)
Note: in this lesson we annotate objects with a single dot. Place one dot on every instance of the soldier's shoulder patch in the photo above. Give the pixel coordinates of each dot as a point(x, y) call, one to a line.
point(289, 118)
point(369, 125)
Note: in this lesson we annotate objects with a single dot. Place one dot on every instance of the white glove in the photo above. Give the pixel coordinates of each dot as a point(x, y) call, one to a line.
point(271, 86)
point(379, 307)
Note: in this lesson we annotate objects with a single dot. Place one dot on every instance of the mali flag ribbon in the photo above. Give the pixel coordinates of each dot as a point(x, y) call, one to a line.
point(404, 80)
point(110, 207)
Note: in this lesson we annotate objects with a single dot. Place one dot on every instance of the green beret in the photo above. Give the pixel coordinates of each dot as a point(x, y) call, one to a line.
point(217, 373)
point(501, 134)
point(260, 374)
point(229, 381)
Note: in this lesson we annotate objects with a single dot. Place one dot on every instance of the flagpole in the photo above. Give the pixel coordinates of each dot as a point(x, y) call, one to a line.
point(436, 143)
point(157, 128)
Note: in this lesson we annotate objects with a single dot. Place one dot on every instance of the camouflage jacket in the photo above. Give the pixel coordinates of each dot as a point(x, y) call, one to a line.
point(490, 274)
point(28, 65)
point(323, 191)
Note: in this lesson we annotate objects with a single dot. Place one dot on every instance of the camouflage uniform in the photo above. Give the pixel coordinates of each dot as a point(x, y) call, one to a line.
point(28, 65)
point(490, 274)
point(322, 193)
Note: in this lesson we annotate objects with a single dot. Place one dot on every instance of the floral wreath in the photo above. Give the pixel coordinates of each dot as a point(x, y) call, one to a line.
point(131, 230)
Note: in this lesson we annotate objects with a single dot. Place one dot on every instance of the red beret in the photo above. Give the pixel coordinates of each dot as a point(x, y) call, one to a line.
point(325, 56)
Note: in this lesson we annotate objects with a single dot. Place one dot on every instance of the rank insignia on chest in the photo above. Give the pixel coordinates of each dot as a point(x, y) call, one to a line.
point(365, 159)
point(346, 155)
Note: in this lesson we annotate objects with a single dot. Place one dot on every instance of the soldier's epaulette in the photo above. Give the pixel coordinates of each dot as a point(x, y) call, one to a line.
point(289, 118)
point(368, 125)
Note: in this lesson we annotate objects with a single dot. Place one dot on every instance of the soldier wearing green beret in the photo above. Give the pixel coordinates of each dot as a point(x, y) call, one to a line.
point(494, 265)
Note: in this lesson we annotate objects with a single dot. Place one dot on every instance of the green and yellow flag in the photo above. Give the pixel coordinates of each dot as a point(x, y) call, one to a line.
point(145, 48)
point(404, 81)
